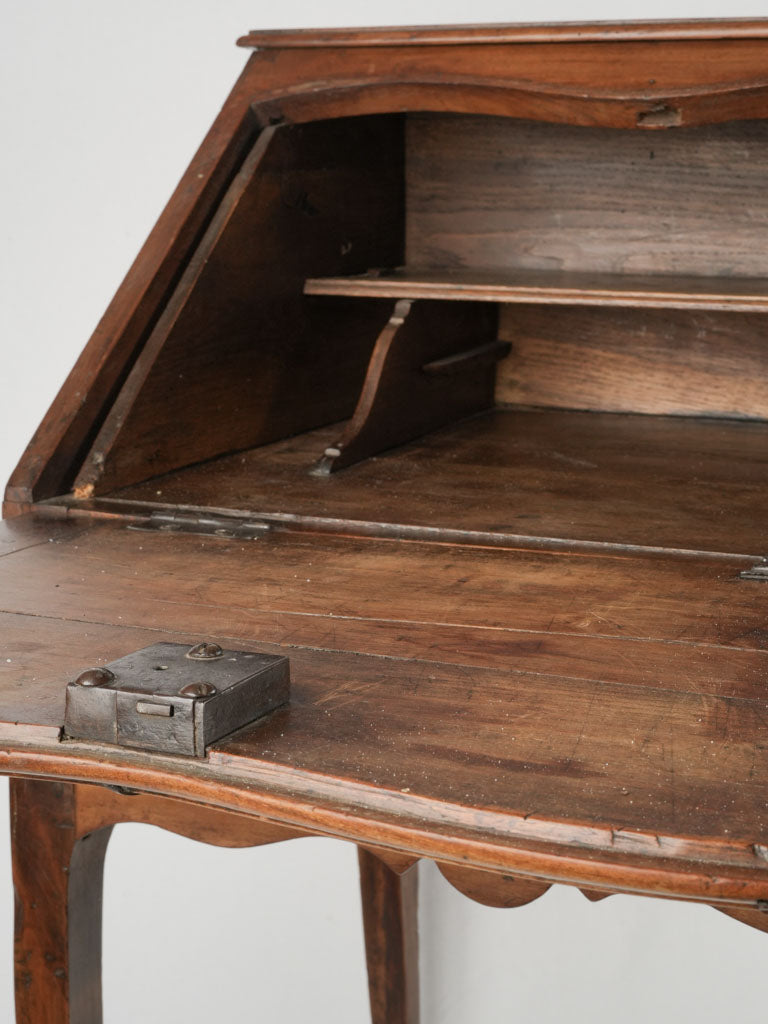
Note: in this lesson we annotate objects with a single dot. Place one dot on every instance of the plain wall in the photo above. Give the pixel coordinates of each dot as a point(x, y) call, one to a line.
point(103, 103)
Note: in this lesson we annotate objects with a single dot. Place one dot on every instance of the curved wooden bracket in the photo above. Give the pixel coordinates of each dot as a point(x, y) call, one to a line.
point(433, 363)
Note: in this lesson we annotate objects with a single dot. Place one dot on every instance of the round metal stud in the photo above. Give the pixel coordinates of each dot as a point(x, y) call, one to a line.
point(197, 690)
point(95, 677)
point(205, 651)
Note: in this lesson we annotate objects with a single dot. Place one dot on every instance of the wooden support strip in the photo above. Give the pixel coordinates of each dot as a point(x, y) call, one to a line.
point(409, 389)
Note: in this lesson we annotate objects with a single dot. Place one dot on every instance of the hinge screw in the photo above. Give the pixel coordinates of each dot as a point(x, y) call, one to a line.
point(95, 677)
point(205, 651)
point(197, 690)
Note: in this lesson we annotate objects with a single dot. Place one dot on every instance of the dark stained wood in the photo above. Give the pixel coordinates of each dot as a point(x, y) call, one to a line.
point(516, 757)
point(718, 866)
point(25, 532)
point(237, 330)
point(552, 288)
point(97, 807)
point(699, 82)
point(725, 80)
point(490, 193)
point(50, 462)
point(479, 595)
point(390, 922)
point(493, 890)
point(520, 647)
point(669, 482)
point(458, 35)
point(409, 389)
point(616, 360)
point(57, 880)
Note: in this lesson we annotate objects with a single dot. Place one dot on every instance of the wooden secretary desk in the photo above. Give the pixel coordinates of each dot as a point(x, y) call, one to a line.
point(412, 489)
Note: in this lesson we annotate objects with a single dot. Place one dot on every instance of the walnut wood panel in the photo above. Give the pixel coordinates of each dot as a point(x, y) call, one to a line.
point(706, 80)
point(25, 532)
point(486, 193)
point(187, 583)
point(532, 739)
point(97, 807)
point(368, 728)
point(552, 288)
point(701, 80)
point(672, 482)
point(55, 453)
point(238, 357)
point(617, 360)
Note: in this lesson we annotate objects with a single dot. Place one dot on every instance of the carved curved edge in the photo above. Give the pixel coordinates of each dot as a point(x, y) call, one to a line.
point(723, 873)
point(99, 807)
point(681, 107)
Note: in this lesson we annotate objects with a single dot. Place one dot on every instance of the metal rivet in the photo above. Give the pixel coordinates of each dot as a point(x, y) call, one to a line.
point(197, 690)
point(205, 651)
point(95, 677)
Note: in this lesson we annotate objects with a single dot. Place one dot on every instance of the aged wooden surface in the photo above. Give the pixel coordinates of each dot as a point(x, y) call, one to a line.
point(54, 454)
point(486, 193)
point(520, 647)
point(237, 329)
point(660, 482)
point(552, 288)
point(407, 392)
point(447, 733)
point(660, 362)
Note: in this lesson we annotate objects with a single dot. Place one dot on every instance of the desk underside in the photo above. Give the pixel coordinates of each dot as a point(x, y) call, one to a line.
point(595, 718)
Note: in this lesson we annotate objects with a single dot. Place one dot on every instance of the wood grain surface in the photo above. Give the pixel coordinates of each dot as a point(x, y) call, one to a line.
point(552, 288)
point(485, 193)
point(670, 482)
point(237, 330)
point(520, 646)
point(619, 360)
point(508, 754)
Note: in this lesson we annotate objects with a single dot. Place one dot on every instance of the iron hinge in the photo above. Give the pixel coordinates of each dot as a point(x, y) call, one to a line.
point(758, 571)
point(210, 526)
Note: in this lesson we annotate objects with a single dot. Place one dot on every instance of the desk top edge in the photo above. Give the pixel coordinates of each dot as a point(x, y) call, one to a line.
point(495, 34)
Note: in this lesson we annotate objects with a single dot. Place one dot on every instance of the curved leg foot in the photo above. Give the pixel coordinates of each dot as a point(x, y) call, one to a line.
point(390, 909)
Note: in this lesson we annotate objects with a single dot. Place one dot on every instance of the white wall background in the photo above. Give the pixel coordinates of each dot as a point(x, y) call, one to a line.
point(103, 103)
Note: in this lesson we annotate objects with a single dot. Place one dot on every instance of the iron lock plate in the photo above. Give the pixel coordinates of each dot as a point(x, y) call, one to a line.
point(173, 699)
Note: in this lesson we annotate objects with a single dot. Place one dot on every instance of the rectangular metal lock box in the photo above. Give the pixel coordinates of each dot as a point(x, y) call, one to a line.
point(174, 699)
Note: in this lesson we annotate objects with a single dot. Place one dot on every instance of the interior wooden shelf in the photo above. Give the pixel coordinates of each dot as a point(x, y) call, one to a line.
point(657, 481)
point(654, 291)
